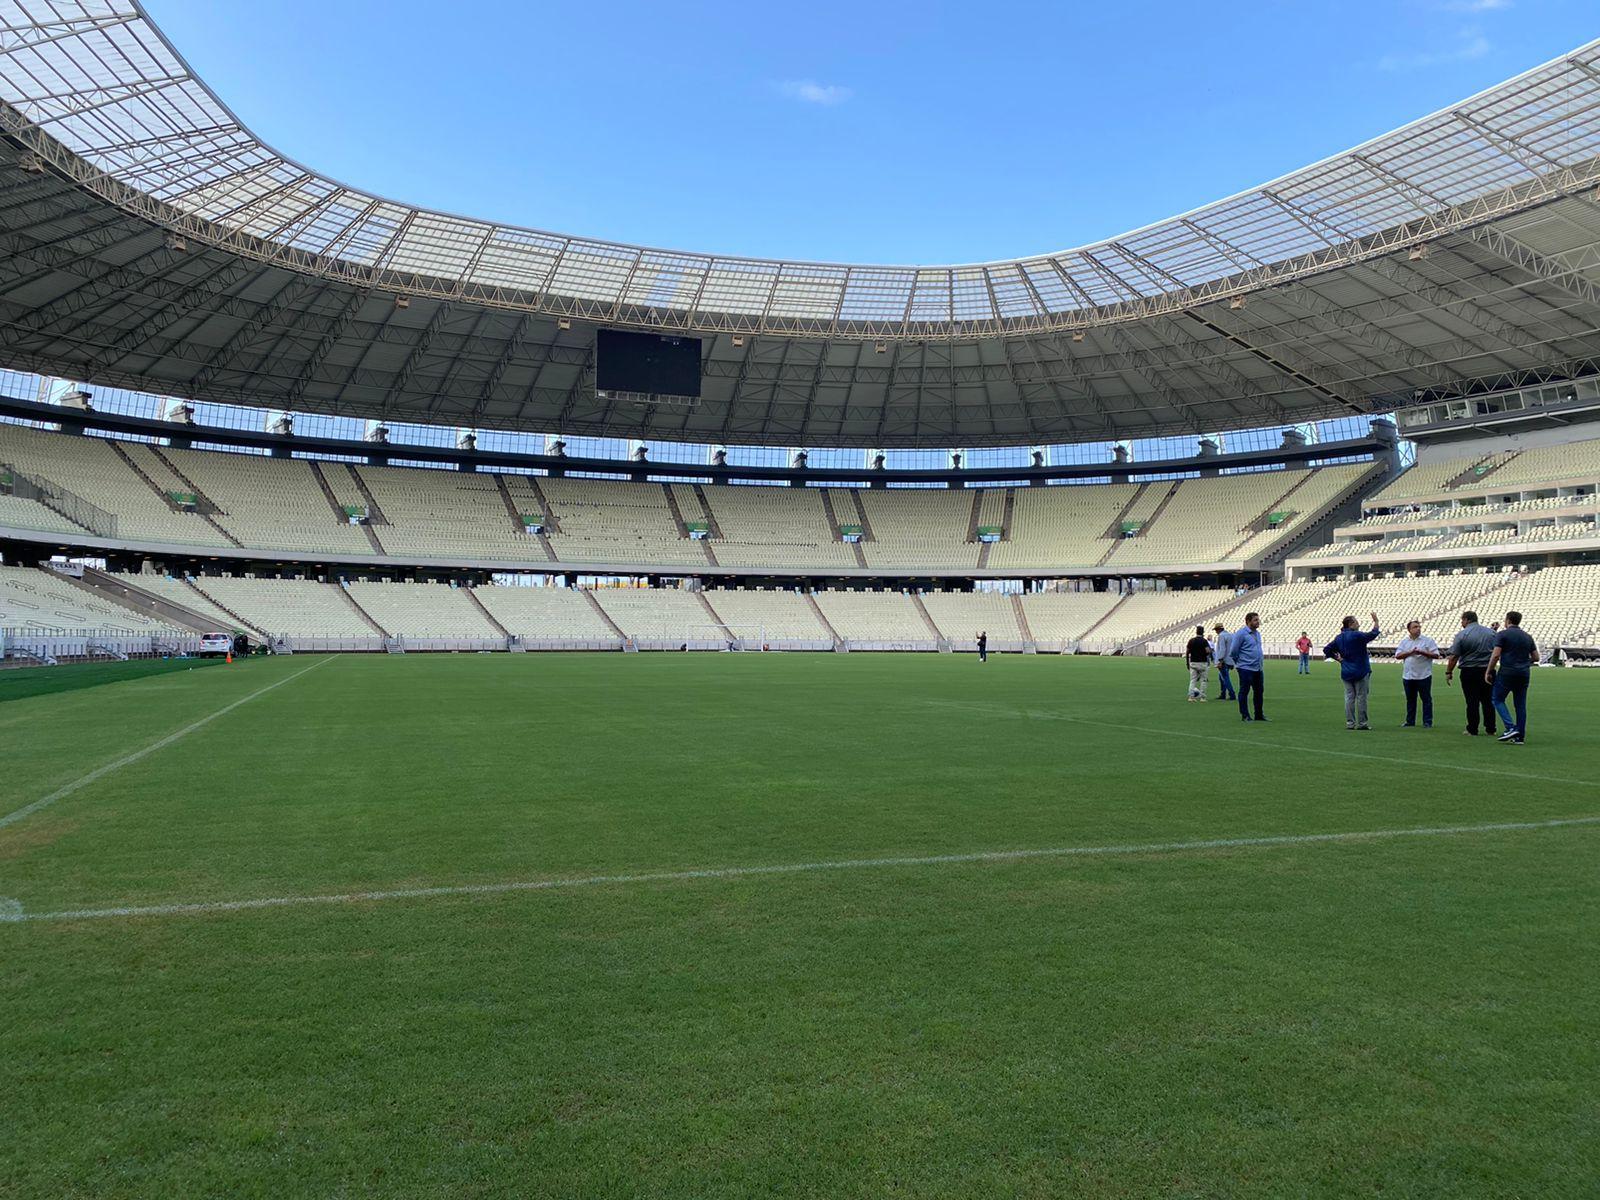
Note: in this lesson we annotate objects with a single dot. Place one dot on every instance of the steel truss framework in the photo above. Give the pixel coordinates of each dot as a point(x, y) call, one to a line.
point(149, 240)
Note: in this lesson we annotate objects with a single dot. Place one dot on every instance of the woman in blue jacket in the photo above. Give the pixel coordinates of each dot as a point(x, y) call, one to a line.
point(1349, 649)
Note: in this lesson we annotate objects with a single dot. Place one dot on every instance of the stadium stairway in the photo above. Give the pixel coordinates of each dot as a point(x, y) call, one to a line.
point(712, 614)
point(833, 517)
point(1007, 513)
point(512, 514)
point(1346, 507)
point(972, 521)
point(927, 619)
point(551, 521)
point(202, 505)
point(705, 508)
point(1258, 523)
point(205, 506)
point(1110, 612)
point(604, 615)
point(327, 493)
point(374, 511)
point(363, 613)
point(861, 515)
point(120, 591)
point(1029, 642)
point(1479, 470)
point(472, 595)
point(1114, 534)
point(677, 513)
point(822, 619)
point(209, 598)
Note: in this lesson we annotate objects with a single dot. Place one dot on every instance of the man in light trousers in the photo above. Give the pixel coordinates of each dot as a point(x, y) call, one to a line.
point(1349, 650)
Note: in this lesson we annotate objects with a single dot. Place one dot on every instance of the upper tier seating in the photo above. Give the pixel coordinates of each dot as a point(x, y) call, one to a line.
point(92, 469)
point(444, 514)
point(30, 514)
point(608, 521)
point(275, 504)
point(913, 527)
point(761, 525)
point(1500, 473)
point(1061, 524)
point(448, 516)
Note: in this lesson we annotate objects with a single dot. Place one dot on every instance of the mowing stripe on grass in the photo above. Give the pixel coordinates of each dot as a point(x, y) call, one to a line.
point(83, 781)
point(847, 864)
point(1005, 710)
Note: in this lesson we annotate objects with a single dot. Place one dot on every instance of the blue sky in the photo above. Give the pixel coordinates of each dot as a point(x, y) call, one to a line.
point(893, 132)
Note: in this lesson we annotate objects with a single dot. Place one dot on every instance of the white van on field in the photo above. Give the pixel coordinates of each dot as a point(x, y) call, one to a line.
point(215, 643)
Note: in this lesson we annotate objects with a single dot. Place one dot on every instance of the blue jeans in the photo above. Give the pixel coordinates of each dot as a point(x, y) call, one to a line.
point(1249, 681)
point(1305, 664)
point(1226, 680)
point(1515, 686)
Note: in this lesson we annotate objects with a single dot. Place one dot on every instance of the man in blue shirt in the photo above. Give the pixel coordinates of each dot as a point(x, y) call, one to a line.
point(1245, 650)
point(1514, 655)
point(1349, 649)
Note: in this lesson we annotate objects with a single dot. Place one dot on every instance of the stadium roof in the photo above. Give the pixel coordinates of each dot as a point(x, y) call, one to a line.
point(151, 241)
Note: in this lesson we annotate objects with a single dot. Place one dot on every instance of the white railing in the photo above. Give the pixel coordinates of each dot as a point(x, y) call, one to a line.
point(53, 643)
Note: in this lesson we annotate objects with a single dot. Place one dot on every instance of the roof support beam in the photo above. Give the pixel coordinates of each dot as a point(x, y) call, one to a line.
point(1553, 271)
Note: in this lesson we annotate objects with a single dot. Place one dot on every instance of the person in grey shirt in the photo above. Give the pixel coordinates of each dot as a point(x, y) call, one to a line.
point(1471, 651)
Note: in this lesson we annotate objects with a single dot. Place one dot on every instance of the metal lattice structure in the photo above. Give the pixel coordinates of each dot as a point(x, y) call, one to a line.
point(153, 241)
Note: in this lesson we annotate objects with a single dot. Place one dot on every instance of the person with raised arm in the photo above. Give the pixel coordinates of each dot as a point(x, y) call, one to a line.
point(1349, 650)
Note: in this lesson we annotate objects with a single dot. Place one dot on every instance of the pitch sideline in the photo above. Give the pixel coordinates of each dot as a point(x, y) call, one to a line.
point(126, 760)
point(200, 908)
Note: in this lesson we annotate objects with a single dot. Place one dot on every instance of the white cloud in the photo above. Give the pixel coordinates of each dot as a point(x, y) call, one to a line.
point(809, 91)
point(1475, 6)
point(1469, 44)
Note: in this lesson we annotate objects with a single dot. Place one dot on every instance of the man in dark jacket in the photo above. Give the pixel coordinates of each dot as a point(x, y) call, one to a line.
point(1471, 651)
point(1349, 650)
point(1198, 655)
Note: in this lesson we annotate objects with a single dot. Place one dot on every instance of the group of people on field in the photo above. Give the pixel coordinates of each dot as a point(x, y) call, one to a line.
point(1495, 664)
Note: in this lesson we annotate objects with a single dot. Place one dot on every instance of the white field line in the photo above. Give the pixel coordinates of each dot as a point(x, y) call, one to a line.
point(1034, 714)
point(850, 864)
point(83, 781)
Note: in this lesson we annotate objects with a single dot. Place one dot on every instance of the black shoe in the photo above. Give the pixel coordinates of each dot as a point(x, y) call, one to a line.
point(1509, 735)
point(1245, 718)
point(1408, 724)
point(1264, 720)
point(1363, 728)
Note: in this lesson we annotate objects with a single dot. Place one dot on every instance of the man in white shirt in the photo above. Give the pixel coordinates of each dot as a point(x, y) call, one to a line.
point(1418, 654)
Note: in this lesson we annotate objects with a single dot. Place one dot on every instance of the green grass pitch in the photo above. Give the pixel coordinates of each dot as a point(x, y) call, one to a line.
point(1405, 1015)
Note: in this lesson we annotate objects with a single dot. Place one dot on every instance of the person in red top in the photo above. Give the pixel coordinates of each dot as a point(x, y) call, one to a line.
point(1304, 646)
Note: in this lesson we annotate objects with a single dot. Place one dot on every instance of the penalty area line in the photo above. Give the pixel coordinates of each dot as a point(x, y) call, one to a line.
point(83, 781)
point(1036, 714)
point(201, 908)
